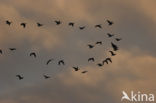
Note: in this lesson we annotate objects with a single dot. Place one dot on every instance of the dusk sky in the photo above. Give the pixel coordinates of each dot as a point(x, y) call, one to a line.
point(133, 68)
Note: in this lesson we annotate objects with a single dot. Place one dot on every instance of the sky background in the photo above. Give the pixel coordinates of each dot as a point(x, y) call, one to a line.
point(133, 67)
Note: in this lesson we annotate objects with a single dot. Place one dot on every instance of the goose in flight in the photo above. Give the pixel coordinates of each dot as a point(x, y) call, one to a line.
point(98, 26)
point(39, 24)
point(50, 60)
point(46, 76)
point(58, 22)
point(82, 27)
point(33, 54)
point(8, 22)
point(76, 68)
point(100, 65)
point(110, 22)
point(118, 39)
point(84, 72)
point(71, 24)
point(61, 62)
point(23, 25)
point(1, 51)
point(107, 60)
point(112, 53)
point(90, 46)
point(91, 59)
point(12, 49)
point(99, 42)
point(110, 35)
point(20, 77)
point(115, 47)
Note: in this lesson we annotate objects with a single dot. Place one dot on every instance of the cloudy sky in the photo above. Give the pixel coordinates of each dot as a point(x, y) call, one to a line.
point(133, 67)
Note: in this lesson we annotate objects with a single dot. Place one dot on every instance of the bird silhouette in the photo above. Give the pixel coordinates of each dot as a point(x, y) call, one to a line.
point(20, 77)
point(115, 47)
point(33, 54)
point(46, 76)
point(61, 62)
point(118, 39)
point(39, 24)
point(12, 49)
point(110, 22)
point(23, 25)
point(112, 53)
point(50, 60)
point(99, 42)
point(76, 68)
point(82, 27)
point(71, 24)
point(100, 65)
point(84, 72)
point(1, 52)
point(98, 26)
point(90, 46)
point(110, 35)
point(91, 59)
point(58, 22)
point(107, 60)
point(8, 22)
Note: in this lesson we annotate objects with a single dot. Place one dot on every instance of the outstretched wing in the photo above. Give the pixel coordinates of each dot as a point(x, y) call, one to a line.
point(33, 54)
point(1, 52)
point(115, 47)
point(109, 59)
point(49, 61)
point(84, 72)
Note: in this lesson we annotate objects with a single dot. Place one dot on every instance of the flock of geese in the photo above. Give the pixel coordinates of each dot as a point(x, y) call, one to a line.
point(90, 46)
point(58, 22)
